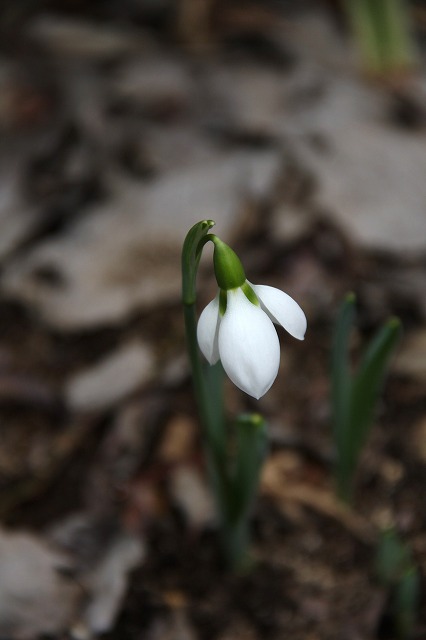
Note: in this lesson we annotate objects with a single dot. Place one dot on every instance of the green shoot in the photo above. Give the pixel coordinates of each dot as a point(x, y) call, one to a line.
point(245, 463)
point(395, 571)
point(381, 29)
point(354, 394)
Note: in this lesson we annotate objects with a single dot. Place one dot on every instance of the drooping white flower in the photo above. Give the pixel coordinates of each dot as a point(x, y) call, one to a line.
point(237, 327)
point(242, 335)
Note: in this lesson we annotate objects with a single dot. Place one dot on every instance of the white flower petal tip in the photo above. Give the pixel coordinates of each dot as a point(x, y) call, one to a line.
point(248, 345)
point(282, 309)
point(207, 331)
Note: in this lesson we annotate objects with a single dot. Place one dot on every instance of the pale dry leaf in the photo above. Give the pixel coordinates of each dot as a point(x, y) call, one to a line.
point(36, 594)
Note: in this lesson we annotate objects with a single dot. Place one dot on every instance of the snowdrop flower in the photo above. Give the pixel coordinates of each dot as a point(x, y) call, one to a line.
point(237, 326)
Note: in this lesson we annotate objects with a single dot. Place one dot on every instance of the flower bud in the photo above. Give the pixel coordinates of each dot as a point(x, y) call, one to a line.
point(228, 269)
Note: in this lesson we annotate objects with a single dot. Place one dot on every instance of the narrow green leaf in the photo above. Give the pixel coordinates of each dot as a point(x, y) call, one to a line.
point(340, 370)
point(369, 379)
point(249, 455)
point(382, 31)
point(378, 10)
point(398, 47)
point(406, 602)
point(362, 19)
point(392, 558)
point(396, 572)
point(341, 385)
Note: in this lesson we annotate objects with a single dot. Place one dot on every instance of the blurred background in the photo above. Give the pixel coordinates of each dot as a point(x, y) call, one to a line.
point(301, 130)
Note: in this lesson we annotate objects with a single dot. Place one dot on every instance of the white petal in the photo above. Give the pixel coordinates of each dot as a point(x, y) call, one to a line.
point(207, 331)
point(282, 309)
point(248, 345)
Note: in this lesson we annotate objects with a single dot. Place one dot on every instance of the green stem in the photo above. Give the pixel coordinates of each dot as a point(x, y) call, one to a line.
point(196, 365)
point(214, 441)
point(207, 397)
point(233, 470)
point(235, 542)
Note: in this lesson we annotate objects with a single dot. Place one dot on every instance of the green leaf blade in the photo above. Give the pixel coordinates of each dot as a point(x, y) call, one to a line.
point(340, 369)
point(369, 380)
point(251, 443)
